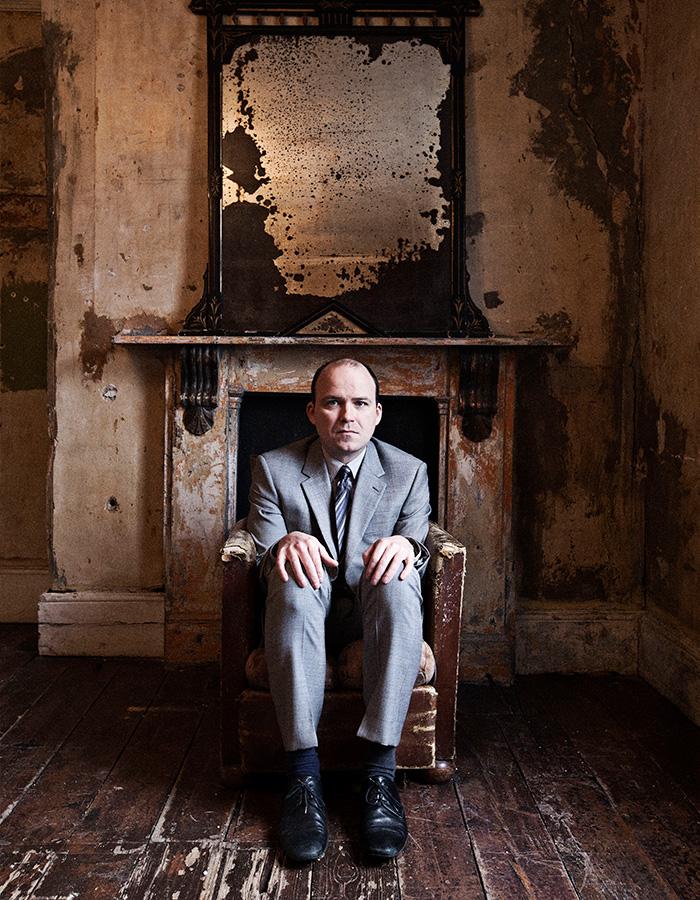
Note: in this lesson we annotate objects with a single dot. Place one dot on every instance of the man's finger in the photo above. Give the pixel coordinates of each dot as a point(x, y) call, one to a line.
point(377, 569)
point(327, 558)
point(280, 564)
point(407, 568)
point(297, 571)
point(316, 559)
point(392, 569)
point(371, 557)
point(374, 553)
point(309, 566)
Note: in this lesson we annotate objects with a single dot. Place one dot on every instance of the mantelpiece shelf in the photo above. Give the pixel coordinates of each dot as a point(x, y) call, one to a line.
point(335, 340)
point(479, 364)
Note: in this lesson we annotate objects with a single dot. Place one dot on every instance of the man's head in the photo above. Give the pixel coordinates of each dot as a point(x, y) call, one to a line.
point(344, 407)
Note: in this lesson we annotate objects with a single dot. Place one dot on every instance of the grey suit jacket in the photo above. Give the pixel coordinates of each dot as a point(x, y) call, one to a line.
point(291, 491)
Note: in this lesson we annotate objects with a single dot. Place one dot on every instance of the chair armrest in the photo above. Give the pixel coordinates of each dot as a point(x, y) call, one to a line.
point(441, 544)
point(241, 610)
point(239, 545)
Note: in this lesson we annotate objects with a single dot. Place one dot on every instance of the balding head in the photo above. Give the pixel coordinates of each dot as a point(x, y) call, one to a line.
point(346, 361)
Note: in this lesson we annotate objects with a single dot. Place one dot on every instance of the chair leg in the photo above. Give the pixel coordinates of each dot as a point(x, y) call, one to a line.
point(442, 772)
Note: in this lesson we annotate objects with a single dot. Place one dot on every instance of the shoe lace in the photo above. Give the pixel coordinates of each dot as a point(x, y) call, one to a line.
point(306, 795)
point(378, 795)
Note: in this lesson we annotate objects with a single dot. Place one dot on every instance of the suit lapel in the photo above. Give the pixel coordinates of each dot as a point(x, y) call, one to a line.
point(316, 486)
point(368, 492)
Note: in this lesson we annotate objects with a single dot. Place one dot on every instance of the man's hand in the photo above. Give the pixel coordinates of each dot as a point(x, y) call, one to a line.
point(305, 556)
point(386, 556)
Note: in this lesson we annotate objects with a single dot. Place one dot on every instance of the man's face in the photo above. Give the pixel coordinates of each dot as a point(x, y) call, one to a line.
point(346, 411)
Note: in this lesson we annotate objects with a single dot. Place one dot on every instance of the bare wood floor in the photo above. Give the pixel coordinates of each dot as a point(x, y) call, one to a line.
point(568, 787)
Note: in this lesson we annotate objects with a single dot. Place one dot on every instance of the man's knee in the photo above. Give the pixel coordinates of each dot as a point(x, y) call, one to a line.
point(396, 596)
point(288, 598)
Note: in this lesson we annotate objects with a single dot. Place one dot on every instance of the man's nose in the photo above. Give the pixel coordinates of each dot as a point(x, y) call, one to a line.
point(347, 412)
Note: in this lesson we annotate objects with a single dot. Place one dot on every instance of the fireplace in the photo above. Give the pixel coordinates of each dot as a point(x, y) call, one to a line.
point(473, 438)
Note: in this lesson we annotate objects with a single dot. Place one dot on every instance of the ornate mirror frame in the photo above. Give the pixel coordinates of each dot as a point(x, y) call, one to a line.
point(363, 29)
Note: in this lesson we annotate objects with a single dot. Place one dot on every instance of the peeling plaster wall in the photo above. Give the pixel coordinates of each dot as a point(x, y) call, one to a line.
point(553, 159)
point(670, 348)
point(128, 169)
point(24, 445)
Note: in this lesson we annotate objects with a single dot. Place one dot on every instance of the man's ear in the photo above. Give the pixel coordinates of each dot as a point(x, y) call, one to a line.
point(379, 413)
point(310, 412)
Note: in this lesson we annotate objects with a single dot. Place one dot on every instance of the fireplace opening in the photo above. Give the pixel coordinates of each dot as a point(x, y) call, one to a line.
point(270, 420)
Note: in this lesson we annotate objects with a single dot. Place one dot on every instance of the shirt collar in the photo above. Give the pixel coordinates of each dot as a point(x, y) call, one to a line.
point(333, 465)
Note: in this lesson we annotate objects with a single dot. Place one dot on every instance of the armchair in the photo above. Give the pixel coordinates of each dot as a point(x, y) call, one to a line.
point(250, 740)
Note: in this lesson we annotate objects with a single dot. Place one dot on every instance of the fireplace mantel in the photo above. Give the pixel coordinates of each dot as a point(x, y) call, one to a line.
point(333, 340)
point(472, 382)
point(479, 364)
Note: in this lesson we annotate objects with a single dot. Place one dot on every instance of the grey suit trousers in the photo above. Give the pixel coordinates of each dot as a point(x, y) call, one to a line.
point(298, 623)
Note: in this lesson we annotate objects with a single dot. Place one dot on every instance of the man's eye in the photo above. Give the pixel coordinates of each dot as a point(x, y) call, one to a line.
point(331, 402)
point(361, 403)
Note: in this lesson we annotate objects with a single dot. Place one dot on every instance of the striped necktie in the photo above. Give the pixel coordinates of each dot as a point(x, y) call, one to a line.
point(343, 489)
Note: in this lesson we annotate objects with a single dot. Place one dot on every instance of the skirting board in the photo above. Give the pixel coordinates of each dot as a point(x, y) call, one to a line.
point(669, 660)
point(485, 657)
point(92, 623)
point(583, 638)
point(20, 589)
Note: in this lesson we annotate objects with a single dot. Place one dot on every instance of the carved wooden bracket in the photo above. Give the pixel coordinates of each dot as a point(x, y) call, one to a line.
point(199, 365)
point(199, 386)
point(478, 391)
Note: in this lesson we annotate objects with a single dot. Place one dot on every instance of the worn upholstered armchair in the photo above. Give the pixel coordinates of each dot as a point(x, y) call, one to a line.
point(249, 734)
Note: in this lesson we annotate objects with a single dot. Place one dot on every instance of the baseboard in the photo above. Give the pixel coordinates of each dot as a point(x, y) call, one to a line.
point(669, 660)
point(101, 623)
point(485, 657)
point(21, 586)
point(32, 6)
point(582, 637)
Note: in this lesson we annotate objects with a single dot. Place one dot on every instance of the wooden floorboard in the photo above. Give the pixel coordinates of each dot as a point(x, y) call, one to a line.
point(51, 809)
point(578, 787)
point(651, 721)
point(516, 854)
point(131, 800)
point(439, 863)
point(601, 853)
point(18, 646)
point(24, 687)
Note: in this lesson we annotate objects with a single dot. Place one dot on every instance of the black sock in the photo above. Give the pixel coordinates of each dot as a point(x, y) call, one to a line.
point(301, 763)
point(380, 760)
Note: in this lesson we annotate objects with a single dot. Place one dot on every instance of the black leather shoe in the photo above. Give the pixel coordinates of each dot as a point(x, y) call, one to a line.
point(303, 829)
point(383, 821)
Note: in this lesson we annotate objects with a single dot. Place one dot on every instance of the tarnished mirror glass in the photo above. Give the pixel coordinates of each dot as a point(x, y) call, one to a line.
point(338, 181)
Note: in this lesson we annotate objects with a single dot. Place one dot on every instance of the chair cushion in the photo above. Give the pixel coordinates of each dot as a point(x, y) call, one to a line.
point(344, 673)
point(257, 677)
point(349, 666)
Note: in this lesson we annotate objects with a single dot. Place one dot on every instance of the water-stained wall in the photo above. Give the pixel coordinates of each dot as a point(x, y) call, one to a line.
point(669, 416)
point(128, 169)
point(554, 224)
point(24, 444)
point(555, 124)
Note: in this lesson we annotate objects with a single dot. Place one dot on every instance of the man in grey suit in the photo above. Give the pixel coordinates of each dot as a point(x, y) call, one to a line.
point(339, 523)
